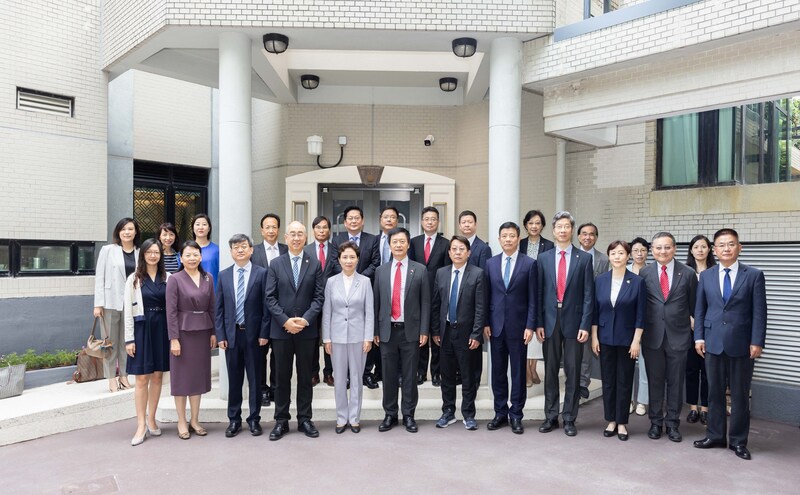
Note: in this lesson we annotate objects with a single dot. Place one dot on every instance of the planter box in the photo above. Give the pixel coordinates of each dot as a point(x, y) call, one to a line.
point(40, 378)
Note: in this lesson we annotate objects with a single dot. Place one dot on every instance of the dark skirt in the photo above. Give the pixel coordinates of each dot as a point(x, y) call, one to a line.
point(150, 334)
point(190, 373)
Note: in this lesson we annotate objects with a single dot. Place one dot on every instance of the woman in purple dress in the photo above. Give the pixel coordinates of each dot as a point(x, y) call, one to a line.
point(190, 324)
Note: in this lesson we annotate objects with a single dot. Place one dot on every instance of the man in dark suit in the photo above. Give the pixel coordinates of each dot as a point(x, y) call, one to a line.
point(263, 254)
point(587, 238)
point(480, 252)
point(512, 287)
point(242, 325)
point(368, 262)
point(566, 306)
point(730, 326)
point(430, 249)
point(403, 315)
point(327, 255)
point(457, 317)
point(295, 293)
point(671, 296)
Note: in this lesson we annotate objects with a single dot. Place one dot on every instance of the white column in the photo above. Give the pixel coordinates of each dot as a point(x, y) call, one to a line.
point(505, 108)
point(235, 191)
point(561, 174)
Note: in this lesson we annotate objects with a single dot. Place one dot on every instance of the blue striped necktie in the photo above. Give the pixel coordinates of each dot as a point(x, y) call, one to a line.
point(240, 297)
point(296, 270)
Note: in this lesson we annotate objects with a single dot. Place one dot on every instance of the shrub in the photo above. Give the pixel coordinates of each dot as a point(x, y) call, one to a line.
point(34, 361)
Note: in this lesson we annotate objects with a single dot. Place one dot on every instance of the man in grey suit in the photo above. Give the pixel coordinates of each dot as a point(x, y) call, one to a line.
point(402, 312)
point(566, 307)
point(457, 326)
point(671, 288)
point(587, 238)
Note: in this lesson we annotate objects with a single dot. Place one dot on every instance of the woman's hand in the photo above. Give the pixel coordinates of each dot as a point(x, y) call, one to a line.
point(98, 312)
point(634, 350)
point(130, 349)
point(367, 346)
point(328, 346)
point(213, 341)
point(595, 345)
point(175, 347)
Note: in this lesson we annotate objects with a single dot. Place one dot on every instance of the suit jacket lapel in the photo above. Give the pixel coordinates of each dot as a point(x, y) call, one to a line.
point(120, 261)
point(737, 284)
point(677, 275)
point(626, 283)
point(287, 266)
point(304, 263)
point(409, 277)
point(573, 264)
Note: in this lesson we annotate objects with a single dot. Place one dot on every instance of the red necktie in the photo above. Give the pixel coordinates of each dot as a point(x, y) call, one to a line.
point(322, 255)
point(427, 250)
point(664, 282)
point(398, 281)
point(561, 280)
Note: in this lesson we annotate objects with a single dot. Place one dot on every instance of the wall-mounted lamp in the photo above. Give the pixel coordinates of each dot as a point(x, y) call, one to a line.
point(275, 43)
point(315, 149)
point(465, 47)
point(309, 81)
point(448, 84)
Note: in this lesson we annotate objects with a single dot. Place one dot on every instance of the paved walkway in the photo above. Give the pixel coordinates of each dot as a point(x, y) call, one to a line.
point(101, 460)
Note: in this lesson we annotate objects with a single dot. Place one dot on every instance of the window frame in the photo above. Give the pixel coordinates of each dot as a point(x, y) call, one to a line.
point(15, 257)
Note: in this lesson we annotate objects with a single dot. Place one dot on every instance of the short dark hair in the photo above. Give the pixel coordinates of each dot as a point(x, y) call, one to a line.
point(460, 238)
point(353, 207)
point(349, 245)
point(429, 209)
point(319, 219)
point(270, 215)
point(710, 260)
point(660, 235)
point(563, 214)
point(534, 213)
point(726, 231)
point(193, 244)
point(508, 225)
point(468, 213)
point(588, 224)
point(196, 218)
point(237, 238)
point(398, 230)
point(640, 240)
point(170, 228)
point(389, 207)
point(619, 243)
point(122, 223)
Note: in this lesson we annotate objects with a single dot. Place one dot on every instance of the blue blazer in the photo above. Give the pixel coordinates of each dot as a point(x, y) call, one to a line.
point(479, 253)
point(617, 324)
point(733, 327)
point(256, 313)
point(512, 309)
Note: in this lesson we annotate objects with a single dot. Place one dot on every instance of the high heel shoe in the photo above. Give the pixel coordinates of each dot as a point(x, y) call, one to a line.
point(139, 440)
point(113, 388)
point(155, 432)
point(198, 430)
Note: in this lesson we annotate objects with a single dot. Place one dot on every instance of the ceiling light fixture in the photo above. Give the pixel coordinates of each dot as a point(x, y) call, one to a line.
point(448, 84)
point(275, 43)
point(309, 81)
point(465, 47)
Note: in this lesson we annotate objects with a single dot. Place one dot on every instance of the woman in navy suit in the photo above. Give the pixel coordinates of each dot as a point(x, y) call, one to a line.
point(620, 302)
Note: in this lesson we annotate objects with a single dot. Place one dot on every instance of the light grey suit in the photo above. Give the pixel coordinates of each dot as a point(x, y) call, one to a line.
point(600, 264)
point(347, 322)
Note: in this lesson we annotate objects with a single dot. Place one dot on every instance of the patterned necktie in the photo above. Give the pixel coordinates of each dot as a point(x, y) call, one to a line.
point(507, 272)
point(451, 309)
point(354, 239)
point(428, 252)
point(240, 297)
point(664, 280)
point(561, 279)
point(385, 258)
point(726, 286)
point(322, 255)
point(296, 270)
point(398, 281)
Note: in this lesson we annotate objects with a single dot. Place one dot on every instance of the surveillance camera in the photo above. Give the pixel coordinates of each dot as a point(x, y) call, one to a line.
point(428, 140)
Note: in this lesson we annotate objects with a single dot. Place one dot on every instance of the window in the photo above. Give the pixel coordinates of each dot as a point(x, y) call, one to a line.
point(39, 101)
point(20, 258)
point(750, 144)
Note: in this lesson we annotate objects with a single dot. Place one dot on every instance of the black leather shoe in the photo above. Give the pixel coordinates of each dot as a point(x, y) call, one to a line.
point(410, 424)
point(266, 401)
point(654, 432)
point(355, 428)
point(569, 428)
point(389, 422)
point(673, 434)
point(704, 418)
point(610, 433)
point(369, 382)
point(315, 379)
point(233, 429)
point(279, 431)
point(255, 428)
point(548, 425)
point(340, 429)
point(693, 416)
point(308, 428)
point(497, 422)
point(516, 426)
point(420, 378)
point(584, 391)
point(328, 380)
point(436, 380)
point(741, 452)
point(707, 443)
point(623, 436)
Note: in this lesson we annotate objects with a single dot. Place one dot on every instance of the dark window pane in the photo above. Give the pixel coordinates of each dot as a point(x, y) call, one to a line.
point(85, 258)
point(39, 258)
point(187, 204)
point(4, 258)
point(148, 209)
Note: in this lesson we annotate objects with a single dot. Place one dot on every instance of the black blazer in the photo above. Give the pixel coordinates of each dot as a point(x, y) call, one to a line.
point(285, 301)
point(256, 312)
point(479, 254)
point(544, 245)
point(670, 317)
point(416, 305)
point(369, 248)
point(617, 324)
point(578, 305)
point(332, 266)
point(260, 254)
point(471, 305)
point(439, 255)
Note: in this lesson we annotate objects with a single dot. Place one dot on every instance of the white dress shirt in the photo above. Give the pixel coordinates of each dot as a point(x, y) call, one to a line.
point(272, 251)
point(348, 283)
point(512, 261)
point(734, 271)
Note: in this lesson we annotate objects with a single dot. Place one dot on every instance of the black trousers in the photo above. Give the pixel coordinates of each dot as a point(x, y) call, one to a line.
point(399, 354)
point(738, 372)
point(244, 357)
point(267, 367)
point(616, 370)
point(455, 356)
point(666, 369)
point(374, 357)
point(554, 348)
point(285, 352)
point(696, 379)
point(328, 369)
point(508, 353)
point(430, 349)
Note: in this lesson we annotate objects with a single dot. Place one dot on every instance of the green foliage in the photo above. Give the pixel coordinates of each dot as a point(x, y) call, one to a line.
point(34, 361)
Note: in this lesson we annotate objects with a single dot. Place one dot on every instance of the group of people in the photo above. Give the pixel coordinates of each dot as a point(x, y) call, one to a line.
point(387, 306)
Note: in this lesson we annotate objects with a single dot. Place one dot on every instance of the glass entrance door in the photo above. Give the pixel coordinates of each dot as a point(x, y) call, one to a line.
point(334, 198)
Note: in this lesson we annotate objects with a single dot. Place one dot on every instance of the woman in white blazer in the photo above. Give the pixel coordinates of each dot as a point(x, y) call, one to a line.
point(115, 264)
point(347, 332)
